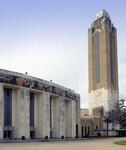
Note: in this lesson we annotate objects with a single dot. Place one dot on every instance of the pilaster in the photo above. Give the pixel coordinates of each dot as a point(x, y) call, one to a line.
point(62, 117)
point(22, 116)
point(46, 115)
point(1, 111)
point(39, 115)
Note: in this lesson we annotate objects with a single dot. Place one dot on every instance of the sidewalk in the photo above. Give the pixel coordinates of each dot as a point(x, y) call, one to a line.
point(79, 144)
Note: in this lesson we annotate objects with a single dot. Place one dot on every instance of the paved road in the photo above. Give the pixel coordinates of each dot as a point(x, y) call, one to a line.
point(86, 144)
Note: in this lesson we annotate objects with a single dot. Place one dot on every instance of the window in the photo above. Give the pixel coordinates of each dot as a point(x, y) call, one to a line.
point(88, 130)
point(7, 107)
point(85, 130)
point(31, 110)
point(97, 57)
point(111, 56)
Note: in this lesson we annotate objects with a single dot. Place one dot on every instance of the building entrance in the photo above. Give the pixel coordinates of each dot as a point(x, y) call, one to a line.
point(7, 134)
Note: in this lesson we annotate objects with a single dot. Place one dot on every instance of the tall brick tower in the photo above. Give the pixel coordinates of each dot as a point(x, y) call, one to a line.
point(102, 63)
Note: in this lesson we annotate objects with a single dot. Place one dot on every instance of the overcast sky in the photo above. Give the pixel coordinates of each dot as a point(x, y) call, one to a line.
point(49, 40)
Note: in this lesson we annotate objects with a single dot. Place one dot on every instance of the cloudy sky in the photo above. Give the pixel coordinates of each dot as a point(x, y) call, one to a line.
point(48, 39)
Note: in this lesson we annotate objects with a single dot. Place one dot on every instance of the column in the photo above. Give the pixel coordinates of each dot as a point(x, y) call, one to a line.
point(39, 115)
point(70, 118)
point(14, 112)
point(22, 114)
point(46, 115)
point(78, 120)
point(55, 115)
point(73, 118)
point(1, 111)
point(62, 117)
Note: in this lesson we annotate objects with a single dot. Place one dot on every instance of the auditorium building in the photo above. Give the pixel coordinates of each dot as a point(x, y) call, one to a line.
point(32, 108)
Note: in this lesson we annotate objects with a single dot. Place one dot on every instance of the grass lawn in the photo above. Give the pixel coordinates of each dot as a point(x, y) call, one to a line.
point(121, 142)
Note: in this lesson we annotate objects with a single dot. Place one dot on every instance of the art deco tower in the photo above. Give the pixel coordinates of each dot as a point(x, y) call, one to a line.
point(102, 63)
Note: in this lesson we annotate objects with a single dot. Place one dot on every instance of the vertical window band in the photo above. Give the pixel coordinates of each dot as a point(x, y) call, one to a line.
point(7, 107)
point(111, 56)
point(31, 110)
point(97, 57)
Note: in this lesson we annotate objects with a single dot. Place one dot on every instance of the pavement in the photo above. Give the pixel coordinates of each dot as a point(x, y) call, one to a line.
point(83, 144)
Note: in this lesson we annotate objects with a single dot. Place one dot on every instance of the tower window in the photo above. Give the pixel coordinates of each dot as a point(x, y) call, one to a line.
point(111, 56)
point(97, 57)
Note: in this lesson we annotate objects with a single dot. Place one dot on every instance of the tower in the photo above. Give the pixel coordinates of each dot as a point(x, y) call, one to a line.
point(102, 63)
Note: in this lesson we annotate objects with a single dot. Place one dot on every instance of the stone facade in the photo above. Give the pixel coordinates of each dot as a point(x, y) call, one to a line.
point(55, 112)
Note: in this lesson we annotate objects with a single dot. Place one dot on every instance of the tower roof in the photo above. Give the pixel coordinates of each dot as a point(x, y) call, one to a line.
point(102, 13)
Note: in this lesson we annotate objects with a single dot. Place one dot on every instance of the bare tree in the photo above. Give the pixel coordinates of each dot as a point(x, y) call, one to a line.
point(116, 116)
point(120, 113)
point(108, 118)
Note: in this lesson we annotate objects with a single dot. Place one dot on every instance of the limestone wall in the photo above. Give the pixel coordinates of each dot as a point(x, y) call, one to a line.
point(102, 97)
point(54, 116)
